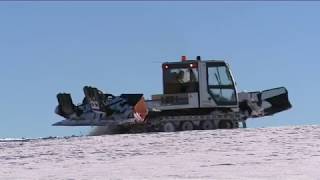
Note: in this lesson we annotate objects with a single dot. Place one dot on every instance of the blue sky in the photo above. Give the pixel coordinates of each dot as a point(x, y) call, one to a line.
point(51, 47)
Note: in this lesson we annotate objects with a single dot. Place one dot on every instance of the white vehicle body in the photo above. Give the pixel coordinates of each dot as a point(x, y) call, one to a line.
point(196, 95)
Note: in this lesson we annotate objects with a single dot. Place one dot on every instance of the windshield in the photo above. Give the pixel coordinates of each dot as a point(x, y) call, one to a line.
point(221, 86)
point(219, 76)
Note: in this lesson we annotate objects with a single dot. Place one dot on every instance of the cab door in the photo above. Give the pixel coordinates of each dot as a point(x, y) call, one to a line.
point(221, 86)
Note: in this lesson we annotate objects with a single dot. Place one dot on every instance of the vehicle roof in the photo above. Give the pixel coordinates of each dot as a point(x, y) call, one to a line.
point(194, 61)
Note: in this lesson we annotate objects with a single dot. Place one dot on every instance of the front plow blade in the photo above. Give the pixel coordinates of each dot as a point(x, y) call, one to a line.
point(275, 100)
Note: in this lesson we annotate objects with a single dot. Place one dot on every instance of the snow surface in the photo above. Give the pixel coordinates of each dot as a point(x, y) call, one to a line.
point(265, 153)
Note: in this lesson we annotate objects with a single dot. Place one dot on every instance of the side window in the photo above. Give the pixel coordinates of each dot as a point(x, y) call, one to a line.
point(182, 75)
point(181, 80)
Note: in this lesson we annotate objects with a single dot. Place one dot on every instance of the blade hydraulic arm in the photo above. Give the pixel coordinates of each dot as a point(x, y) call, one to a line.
point(264, 103)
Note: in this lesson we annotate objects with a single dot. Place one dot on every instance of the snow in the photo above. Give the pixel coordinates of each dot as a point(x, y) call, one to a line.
point(264, 153)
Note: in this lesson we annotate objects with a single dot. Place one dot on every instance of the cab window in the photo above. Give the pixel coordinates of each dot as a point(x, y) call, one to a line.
point(220, 84)
point(180, 80)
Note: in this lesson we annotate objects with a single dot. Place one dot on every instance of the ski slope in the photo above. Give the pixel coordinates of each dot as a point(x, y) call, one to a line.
point(264, 153)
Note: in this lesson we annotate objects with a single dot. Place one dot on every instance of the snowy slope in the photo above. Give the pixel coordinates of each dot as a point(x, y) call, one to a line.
point(266, 153)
